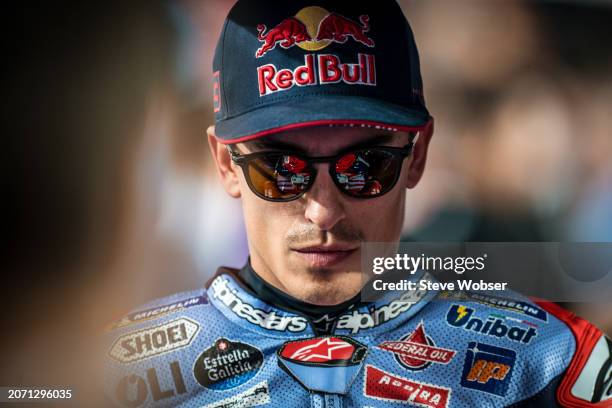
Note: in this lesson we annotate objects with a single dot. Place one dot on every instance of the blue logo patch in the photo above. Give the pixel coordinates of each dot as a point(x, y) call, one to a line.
point(488, 368)
point(495, 326)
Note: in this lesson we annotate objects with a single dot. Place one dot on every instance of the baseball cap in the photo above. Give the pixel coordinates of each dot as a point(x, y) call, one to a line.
point(283, 65)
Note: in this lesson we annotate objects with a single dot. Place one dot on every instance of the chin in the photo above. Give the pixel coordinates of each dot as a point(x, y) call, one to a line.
point(328, 288)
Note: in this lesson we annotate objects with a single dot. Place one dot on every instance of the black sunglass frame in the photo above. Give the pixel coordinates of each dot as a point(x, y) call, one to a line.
point(243, 161)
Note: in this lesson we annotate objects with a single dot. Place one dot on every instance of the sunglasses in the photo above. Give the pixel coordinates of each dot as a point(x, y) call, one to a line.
point(286, 176)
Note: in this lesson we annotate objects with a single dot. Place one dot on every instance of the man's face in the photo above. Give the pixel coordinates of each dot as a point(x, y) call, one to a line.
point(310, 247)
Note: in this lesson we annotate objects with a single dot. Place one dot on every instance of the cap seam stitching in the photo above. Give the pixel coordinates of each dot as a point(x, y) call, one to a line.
point(225, 104)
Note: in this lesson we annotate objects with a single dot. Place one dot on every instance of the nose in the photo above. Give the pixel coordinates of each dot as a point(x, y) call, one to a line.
point(324, 203)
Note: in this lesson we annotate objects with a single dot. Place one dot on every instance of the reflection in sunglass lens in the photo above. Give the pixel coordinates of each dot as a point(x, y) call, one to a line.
point(279, 176)
point(367, 173)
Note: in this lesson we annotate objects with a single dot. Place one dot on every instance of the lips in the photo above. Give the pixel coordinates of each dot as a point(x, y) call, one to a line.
point(325, 256)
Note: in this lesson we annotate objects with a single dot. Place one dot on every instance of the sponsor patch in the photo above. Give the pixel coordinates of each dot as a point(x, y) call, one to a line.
point(157, 384)
point(253, 315)
point(358, 320)
point(488, 368)
point(523, 308)
point(325, 351)
point(154, 341)
point(227, 364)
point(417, 351)
point(594, 383)
point(158, 311)
point(253, 397)
point(385, 386)
point(494, 326)
point(324, 364)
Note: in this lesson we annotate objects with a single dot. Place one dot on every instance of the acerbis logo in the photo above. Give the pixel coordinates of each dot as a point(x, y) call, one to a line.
point(463, 316)
point(261, 318)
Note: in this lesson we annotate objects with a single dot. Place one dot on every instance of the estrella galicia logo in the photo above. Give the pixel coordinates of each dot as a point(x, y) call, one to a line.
point(227, 364)
point(463, 316)
point(488, 368)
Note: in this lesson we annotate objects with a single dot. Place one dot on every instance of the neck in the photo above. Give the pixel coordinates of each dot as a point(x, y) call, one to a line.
point(322, 317)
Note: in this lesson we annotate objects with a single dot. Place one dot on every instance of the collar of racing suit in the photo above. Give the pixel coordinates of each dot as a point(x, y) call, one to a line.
point(245, 299)
point(323, 319)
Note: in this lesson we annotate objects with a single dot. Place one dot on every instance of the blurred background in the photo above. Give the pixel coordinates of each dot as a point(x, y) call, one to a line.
point(113, 199)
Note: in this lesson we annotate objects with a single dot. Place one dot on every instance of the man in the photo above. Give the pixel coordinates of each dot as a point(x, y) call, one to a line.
point(320, 128)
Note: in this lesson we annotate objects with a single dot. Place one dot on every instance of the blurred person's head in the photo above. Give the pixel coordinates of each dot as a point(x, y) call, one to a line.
point(88, 83)
point(318, 146)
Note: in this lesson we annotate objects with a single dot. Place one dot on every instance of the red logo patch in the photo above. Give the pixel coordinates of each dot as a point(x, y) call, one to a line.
point(417, 350)
point(389, 387)
point(336, 350)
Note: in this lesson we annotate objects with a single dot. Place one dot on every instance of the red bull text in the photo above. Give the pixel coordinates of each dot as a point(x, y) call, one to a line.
point(321, 69)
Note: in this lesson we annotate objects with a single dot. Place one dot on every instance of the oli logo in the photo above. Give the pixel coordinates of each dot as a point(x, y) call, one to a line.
point(488, 368)
point(313, 28)
point(133, 390)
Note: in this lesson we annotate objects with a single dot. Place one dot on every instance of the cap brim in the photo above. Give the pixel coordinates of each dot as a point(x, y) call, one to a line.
point(311, 111)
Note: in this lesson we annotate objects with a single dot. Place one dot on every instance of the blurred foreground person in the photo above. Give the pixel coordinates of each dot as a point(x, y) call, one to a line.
point(88, 84)
point(321, 126)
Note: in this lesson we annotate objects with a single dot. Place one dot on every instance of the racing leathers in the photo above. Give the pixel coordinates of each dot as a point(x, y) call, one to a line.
point(225, 347)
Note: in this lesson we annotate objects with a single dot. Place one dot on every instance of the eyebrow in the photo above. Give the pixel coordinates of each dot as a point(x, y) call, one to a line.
point(262, 145)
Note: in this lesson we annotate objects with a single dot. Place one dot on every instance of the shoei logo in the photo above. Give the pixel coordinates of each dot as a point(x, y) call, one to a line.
point(488, 368)
point(153, 341)
point(312, 29)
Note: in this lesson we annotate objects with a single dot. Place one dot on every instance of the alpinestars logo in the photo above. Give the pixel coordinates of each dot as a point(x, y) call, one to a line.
point(261, 318)
point(357, 320)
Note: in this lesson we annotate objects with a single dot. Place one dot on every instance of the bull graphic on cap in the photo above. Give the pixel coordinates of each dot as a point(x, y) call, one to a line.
point(287, 33)
point(312, 30)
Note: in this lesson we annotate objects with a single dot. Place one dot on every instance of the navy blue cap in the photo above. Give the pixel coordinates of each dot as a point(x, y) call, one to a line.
point(283, 65)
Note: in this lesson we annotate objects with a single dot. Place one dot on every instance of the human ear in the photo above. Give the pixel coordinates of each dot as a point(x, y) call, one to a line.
point(223, 162)
point(417, 164)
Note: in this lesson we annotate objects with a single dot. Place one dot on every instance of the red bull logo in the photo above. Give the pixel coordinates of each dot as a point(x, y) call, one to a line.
point(313, 28)
point(322, 70)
